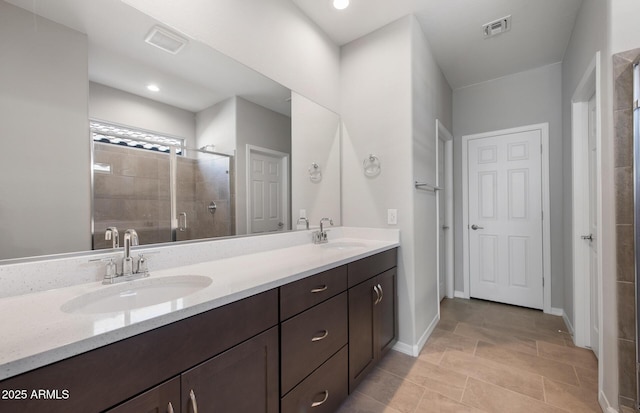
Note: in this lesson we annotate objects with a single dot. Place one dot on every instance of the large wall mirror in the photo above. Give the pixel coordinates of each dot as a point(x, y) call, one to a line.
point(108, 118)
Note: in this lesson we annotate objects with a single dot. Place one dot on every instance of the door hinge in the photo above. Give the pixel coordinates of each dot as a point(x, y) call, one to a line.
point(541, 148)
point(543, 281)
point(542, 215)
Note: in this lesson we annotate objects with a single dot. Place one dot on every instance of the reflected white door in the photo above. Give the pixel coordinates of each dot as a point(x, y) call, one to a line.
point(505, 218)
point(593, 226)
point(266, 208)
point(442, 243)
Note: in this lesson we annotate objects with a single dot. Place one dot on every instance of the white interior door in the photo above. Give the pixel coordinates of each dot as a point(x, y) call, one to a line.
point(442, 227)
point(505, 218)
point(593, 226)
point(267, 184)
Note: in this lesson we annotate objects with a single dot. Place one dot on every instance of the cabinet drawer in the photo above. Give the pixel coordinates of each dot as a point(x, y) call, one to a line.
point(309, 339)
point(323, 391)
point(366, 268)
point(300, 295)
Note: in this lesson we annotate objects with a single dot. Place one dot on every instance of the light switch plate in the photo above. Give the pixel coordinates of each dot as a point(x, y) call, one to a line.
point(392, 216)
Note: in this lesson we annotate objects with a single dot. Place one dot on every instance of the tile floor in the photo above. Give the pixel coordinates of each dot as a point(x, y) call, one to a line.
point(485, 357)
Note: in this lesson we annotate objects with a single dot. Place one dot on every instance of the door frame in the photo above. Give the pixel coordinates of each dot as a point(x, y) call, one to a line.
point(284, 163)
point(546, 210)
point(444, 136)
point(588, 86)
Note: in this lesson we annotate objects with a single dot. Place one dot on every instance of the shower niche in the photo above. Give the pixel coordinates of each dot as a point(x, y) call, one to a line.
point(157, 186)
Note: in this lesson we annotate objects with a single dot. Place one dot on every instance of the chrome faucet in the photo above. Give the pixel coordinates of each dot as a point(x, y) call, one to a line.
point(111, 234)
point(320, 237)
point(130, 271)
point(130, 238)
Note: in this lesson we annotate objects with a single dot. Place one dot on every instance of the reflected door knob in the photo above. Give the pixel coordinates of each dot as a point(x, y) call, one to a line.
point(475, 227)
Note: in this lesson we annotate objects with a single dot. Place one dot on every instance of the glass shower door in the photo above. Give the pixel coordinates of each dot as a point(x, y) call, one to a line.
point(204, 203)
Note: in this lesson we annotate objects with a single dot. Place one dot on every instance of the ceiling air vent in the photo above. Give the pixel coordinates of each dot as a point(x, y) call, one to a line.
point(165, 40)
point(497, 27)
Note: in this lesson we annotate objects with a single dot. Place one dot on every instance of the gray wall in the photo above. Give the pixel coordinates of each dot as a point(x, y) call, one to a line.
point(114, 105)
point(392, 92)
point(216, 125)
point(525, 98)
point(45, 185)
point(315, 137)
point(590, 34)
point(259, 126)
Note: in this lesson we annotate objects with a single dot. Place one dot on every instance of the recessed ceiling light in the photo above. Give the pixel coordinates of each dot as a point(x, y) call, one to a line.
point(153, 88)
point(340, 4)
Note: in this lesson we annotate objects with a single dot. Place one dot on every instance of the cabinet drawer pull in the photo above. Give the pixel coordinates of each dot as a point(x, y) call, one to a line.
point(169, 408)
point(326, 396)
point(381, 293)
point(319, 289)
point(378, 298)
point(322, 337)
point(194, 402)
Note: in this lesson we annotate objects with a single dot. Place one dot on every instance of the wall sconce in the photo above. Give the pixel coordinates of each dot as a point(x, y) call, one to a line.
point(315, 173)
point(372, 166)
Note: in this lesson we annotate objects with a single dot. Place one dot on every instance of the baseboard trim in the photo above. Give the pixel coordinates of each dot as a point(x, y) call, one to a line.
point(604, 403)
point(459, 294)
point(415, 350)
point(567, 322)
point(557, 311)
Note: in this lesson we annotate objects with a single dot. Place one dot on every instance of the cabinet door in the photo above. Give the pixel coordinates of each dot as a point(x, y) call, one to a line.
point(362, 349)
point(164, 398)
point(386, 313)
point(243, 379)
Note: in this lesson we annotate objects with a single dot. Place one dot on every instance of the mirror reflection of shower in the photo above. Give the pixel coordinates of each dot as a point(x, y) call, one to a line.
point(153, 183)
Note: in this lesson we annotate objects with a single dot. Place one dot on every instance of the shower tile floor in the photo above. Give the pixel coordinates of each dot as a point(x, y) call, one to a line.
point(485, 357)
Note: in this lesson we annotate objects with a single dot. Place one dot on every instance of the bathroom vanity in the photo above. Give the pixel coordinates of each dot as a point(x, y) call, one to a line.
point(299, 342)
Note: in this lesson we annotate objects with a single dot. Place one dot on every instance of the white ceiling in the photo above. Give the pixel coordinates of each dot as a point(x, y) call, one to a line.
point(194, 79)
point(540, 32)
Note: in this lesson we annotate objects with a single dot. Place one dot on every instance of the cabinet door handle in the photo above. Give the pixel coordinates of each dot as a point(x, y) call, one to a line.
point(194, 402)
point(326, 396)
point(381, 293)
point(319, 289)
point(169, 408)
point(321, 337)
point(375, 288)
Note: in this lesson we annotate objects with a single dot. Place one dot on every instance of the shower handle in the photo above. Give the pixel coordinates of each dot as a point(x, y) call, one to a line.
point(182, 221)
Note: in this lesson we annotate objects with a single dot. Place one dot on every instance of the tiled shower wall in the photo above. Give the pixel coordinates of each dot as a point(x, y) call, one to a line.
point(625, 279)
point(136, 194)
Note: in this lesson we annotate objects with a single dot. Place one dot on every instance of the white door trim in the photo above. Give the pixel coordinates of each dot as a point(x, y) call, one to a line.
point(284, 160)
point(546, 224)
point(443, 135)
point(589, 84)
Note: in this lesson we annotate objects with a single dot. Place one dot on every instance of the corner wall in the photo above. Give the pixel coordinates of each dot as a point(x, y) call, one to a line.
point(392, 91)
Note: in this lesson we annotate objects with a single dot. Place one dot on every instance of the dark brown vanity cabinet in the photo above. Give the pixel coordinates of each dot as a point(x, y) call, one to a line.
point(164, 398)
point(372, 313)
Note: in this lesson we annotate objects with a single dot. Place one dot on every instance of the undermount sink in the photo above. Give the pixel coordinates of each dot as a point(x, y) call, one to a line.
point(344, 245)
point(136, 294)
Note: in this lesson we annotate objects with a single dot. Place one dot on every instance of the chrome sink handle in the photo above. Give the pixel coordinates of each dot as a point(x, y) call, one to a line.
point(111, 234)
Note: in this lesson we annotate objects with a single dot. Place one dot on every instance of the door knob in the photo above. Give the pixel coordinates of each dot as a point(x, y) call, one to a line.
point(589, 237)
point(475, 227)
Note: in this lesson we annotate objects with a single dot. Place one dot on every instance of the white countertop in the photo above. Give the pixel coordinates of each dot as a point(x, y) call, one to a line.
point(36, 332)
